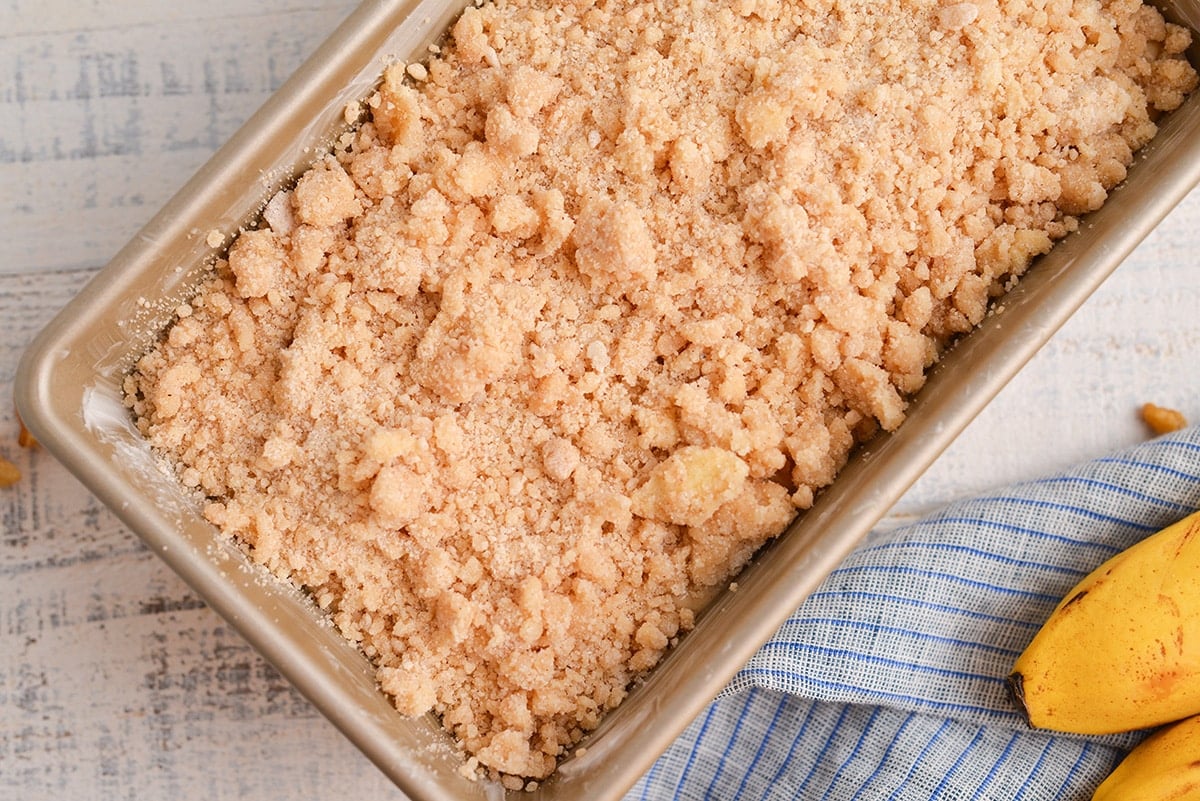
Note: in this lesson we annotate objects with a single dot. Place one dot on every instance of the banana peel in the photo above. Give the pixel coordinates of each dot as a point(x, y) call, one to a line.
point(1163, 767)
point(1121, 651)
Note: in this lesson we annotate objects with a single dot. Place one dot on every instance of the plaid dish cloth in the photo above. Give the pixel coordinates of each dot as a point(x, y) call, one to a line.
point(888, 682)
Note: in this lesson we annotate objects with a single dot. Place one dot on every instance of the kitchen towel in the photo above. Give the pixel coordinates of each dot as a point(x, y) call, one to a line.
point(888, 682)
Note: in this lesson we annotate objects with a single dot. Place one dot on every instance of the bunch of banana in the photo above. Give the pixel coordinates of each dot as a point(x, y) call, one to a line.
point(1121, 652)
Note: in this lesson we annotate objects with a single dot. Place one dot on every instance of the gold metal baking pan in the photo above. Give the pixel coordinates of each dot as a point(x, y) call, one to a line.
point(68, 393)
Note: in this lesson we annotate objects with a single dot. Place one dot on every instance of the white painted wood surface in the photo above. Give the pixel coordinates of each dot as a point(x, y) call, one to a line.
point(115, 681)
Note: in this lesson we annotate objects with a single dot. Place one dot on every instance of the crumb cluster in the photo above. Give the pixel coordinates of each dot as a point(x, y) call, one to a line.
point(10, 474)
point(1161, 419)
point(601, 295)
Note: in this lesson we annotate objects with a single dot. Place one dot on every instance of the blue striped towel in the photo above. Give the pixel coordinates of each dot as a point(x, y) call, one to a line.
point(888, 682)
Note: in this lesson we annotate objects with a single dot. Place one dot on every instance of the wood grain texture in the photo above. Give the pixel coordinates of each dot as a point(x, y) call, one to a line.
point(116, 682)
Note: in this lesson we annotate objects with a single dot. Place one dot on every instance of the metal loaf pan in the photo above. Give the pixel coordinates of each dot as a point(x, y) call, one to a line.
point(68, 392)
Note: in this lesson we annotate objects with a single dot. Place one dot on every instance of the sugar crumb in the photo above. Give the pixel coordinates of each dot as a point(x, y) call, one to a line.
point(1162, 420)
point(10, 474)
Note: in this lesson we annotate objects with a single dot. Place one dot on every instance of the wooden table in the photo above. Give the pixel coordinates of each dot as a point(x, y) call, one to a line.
point(115, 680)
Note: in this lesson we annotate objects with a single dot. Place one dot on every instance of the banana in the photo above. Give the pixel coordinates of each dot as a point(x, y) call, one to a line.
point(1163, 767)
point(1121, 651)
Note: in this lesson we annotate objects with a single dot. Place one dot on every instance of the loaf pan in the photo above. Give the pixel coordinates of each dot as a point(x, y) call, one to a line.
point(68, 392)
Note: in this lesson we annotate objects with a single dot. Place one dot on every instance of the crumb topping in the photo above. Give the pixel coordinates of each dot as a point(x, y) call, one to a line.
point(604, 293)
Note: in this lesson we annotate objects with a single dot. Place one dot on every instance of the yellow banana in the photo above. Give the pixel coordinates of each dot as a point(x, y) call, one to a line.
point(1163, 767)
point(1122, 650)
